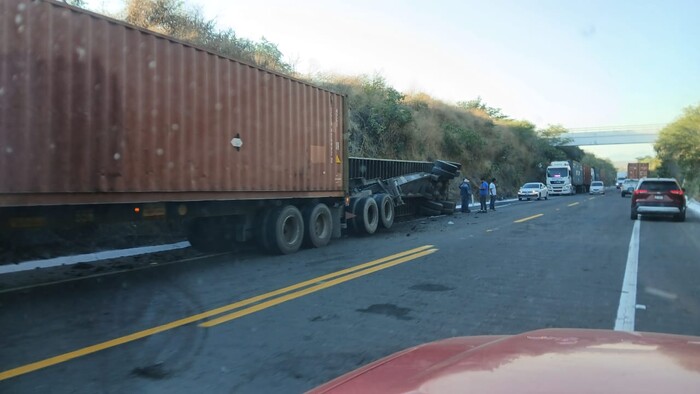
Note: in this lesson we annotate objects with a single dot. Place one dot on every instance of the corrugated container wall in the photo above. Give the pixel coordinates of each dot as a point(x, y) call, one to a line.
point(93, 110)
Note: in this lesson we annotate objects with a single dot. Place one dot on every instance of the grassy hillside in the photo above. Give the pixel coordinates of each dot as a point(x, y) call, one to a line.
point(386, 123)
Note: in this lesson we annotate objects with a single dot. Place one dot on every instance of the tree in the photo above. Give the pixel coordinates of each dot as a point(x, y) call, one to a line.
point(553, 134)
point(379, 120)
point(678, 147)
point(172, 18)
point(479, 105)
point(680, 141)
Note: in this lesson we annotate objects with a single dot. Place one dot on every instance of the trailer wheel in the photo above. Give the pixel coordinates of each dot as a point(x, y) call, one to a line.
point(318, 225)
point(386, 210)
point(285, 230)
point(366, 216)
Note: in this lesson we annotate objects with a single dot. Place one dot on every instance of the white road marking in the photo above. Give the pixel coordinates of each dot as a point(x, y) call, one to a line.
point(628, 296)
point(89, 257)
point(642, 307)
point(660, 293)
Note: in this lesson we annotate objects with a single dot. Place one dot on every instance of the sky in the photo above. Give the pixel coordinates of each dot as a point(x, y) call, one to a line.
point(578, 64)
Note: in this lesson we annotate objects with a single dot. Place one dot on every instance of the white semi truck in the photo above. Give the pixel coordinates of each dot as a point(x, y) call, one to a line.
point(564, 177)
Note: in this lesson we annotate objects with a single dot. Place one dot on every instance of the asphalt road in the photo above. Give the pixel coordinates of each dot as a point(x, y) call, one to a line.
point(289, 323)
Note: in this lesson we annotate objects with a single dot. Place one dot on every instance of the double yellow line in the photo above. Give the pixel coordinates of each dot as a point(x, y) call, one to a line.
point(258, 303)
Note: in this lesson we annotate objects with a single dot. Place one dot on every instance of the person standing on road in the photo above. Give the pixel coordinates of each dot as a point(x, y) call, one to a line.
point(483, 192)
point(492, 193)
point(465, 190)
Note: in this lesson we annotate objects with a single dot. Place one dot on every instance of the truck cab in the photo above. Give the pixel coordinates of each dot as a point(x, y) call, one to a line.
point(559, 178)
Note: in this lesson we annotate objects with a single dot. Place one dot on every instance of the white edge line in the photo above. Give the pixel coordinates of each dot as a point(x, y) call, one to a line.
point(89, 257)
point(628, 295)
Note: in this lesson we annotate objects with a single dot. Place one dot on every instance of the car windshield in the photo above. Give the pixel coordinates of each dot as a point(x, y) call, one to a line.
point(225, 196)
point(557, 172)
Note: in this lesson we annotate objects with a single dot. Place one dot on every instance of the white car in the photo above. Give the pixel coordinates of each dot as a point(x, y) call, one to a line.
point(597, 187)
point(536, 190)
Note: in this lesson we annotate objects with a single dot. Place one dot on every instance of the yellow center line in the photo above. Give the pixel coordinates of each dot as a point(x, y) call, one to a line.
point(528, 218)
point(312, 289)
point(573, 203)
point(10, 373)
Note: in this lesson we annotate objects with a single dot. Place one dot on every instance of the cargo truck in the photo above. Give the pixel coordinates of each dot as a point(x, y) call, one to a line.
point(102, 121)
point(565, 177)
point(637, 170)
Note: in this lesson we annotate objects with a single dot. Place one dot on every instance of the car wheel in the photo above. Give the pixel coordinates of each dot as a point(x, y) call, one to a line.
point(546, 196)
point(520, 199)
point(680, 217)
point(633, 214)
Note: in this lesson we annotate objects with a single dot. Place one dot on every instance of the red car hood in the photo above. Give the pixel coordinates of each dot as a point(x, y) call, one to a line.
point(543, 361)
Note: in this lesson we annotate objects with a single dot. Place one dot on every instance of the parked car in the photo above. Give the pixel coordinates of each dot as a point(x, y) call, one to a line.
point(536, 190)
point(597, 187)
point(659, 196)
point(628, 187)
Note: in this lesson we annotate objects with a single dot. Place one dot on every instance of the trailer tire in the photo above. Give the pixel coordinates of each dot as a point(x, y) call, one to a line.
point(366, 216)
point(318, 225)
point(386, 210)
point(285, 230)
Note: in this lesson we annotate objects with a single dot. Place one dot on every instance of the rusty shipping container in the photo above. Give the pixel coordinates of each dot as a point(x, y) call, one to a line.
point(637, 170)
point(93, 110)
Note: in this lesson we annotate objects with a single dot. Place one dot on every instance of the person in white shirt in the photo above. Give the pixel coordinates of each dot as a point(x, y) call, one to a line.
point(492, 194)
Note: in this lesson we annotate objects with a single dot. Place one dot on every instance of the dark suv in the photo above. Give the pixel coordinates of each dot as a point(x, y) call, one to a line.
point(658, 196)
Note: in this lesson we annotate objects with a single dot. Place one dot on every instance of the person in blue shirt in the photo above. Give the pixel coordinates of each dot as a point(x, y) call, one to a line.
point(465, 190)
point(483, 192)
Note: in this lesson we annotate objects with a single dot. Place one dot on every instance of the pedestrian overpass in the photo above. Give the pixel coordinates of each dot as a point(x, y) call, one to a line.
point(619, 135)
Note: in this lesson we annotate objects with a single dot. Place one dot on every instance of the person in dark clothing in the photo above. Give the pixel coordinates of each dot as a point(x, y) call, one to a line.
point(483, 192)
point(465, 190)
